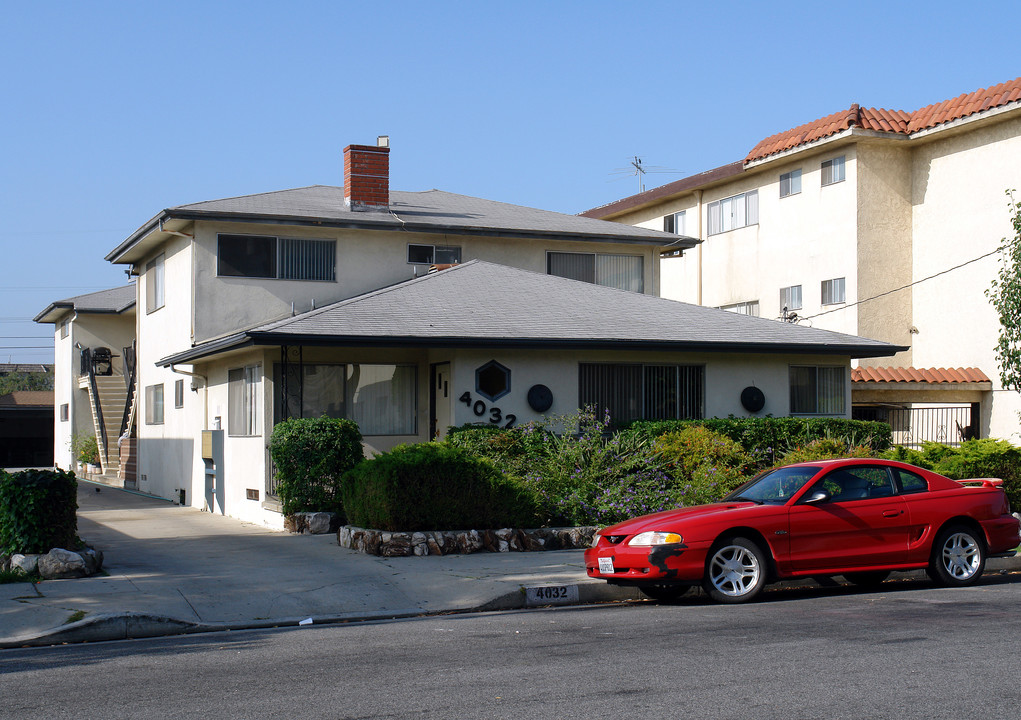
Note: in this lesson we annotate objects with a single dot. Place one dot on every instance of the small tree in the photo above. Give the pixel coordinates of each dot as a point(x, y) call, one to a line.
point(1005, 295)
point(311, 455)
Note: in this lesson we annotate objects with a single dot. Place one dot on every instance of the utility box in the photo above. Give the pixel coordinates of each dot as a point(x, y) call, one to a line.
point(212, 456)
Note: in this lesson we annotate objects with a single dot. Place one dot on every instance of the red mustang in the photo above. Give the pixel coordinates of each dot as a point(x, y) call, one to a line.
point(858, 518)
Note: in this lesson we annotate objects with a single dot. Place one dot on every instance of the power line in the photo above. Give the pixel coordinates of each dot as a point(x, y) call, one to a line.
point(905, 287)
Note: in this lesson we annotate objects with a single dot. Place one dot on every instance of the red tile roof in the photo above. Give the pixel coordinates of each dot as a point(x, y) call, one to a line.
point(894, 121)
point(918, 375)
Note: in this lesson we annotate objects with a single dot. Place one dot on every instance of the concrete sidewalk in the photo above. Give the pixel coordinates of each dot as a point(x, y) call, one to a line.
point(172, 569)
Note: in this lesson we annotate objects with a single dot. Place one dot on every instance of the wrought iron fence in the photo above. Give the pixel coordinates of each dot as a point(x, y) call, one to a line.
point(949, 425)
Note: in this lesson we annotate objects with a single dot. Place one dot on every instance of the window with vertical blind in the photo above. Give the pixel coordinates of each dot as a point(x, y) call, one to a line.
point(624, 272)
point(734, 212)
point(267, 256)
point(833, 171)
point(833, 291)
point(243, 400)
point(817, 390)
point(790, 183)
point(154, 404)
point(674, 223)
point(790, 297)
point(382, 399)
point(155, 283)
point(642, 392)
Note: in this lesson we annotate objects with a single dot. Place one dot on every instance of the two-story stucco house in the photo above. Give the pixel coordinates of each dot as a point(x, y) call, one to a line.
point(410, 312)
point(870, 222)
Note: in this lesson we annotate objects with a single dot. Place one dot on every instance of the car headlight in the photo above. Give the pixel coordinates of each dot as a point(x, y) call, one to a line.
point(655, 538)
point(595, 540)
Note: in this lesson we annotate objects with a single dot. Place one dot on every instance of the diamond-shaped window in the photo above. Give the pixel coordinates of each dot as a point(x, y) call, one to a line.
point(493, 380)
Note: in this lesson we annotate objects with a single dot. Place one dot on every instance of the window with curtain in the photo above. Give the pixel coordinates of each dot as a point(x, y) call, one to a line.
point(817, 390)
point(790, 297)
point(642, 392)
point(833, 291)
point(267, 256)
point(243, 400)
point(154, 404)
point(155, 283)
point(833, 171)
point(624, 272)
point(382, 399)
point(734, 212)
point(790, 183)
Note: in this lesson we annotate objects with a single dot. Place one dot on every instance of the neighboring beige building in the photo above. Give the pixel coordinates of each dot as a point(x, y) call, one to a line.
point(871, 222)
point(412, 312)
point(93, 386)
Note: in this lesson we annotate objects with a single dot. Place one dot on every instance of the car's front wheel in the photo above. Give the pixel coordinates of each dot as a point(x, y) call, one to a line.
point(735, 572)
point(958, 557)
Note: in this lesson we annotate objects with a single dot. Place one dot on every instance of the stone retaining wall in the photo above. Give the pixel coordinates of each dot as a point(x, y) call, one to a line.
point(462, 542)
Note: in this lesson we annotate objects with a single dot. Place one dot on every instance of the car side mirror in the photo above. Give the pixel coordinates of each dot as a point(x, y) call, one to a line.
point(818, 496)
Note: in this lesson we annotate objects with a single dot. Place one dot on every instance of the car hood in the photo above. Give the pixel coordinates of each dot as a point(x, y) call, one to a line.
point(670, 519)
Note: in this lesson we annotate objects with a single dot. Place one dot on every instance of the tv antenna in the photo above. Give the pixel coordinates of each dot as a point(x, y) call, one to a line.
point(636, 168)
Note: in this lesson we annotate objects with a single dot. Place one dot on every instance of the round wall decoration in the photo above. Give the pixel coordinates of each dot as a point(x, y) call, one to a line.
point(540, 398)
point(752, 399)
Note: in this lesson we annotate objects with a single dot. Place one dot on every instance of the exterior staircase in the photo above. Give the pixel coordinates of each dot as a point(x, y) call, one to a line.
point(113, 399)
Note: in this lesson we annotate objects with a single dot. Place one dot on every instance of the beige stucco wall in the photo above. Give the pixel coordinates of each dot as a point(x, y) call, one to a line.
point(884, 248)
point(802, 239)
point(366, 261)
point(88, 330)
point(961, 213)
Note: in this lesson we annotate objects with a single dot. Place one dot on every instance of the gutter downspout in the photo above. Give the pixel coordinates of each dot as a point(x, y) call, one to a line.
point(698, 207)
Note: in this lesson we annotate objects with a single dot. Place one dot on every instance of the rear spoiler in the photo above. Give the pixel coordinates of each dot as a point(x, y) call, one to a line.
point(982, 482)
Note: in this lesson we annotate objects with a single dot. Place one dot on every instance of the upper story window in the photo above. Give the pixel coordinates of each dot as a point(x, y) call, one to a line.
point(179, 393)
point(734, 212)
point(64, 325)
point(750, 307)
point(833, 291)
point(833, 171)
point(790, 297)
point(624, 272)
point(433, 254)
point(790, 183)
point(674, 223)
point(267, 256)
point(155, 284)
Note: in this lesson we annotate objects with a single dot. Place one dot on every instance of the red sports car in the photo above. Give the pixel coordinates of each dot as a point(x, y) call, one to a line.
point(860, 518)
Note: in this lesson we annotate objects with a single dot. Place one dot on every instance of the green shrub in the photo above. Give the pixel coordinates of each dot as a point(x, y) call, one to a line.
point(311, 455)
point(705, 465)
point(433, 486)
point(38, 511)
point(825, 449)
point(986, 457)
point(769, 438)
point(85, 449)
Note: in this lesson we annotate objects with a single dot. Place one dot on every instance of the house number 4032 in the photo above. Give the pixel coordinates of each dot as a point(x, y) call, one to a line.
point(496, 415)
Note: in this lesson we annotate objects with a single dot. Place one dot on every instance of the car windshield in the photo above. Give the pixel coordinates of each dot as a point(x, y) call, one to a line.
point(774, 486)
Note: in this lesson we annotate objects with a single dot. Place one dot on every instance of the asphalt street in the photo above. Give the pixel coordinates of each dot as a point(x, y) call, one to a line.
point(907, 650)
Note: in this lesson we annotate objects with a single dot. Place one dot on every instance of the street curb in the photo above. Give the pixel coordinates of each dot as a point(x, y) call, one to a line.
point(130, 626)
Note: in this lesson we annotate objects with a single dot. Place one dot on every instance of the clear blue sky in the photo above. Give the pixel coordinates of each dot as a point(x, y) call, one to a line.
point(112, 111)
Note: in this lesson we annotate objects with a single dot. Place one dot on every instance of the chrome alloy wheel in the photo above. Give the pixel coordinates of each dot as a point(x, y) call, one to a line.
point(962, 556)
point(734, 570)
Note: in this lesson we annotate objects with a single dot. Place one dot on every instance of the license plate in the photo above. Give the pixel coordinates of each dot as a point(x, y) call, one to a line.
point(606, 566)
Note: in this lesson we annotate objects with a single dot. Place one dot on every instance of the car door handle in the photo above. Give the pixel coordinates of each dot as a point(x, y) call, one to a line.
point(892, 513)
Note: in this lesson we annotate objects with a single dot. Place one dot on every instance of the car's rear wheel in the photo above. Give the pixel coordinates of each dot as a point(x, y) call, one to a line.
point(665, 592)
point(958, 557)
point(735, 572)
point(867, 578)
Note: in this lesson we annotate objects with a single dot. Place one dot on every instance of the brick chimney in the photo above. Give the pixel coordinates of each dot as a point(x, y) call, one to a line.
point(367, 175)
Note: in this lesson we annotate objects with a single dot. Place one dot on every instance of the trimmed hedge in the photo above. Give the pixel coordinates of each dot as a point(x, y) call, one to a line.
point(432, 486)
point(770, 438)
point(311, 455)
point(38, 511)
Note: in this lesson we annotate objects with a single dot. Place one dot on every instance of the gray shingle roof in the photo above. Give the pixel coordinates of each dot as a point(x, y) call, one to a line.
point(113, 301)
point(430, 211)
point(483, 304)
